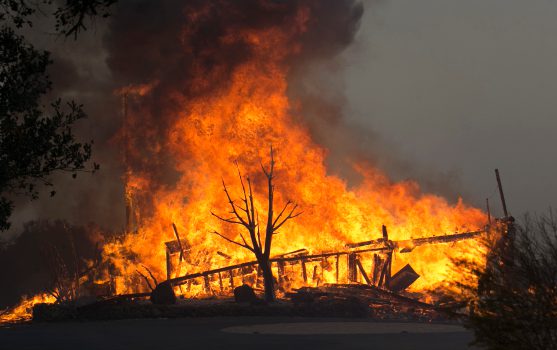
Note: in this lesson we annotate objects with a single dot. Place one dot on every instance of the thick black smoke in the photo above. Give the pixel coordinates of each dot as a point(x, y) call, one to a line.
point(173, 42)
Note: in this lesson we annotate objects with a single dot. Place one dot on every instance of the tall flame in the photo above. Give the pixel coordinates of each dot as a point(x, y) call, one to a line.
point(238, 122)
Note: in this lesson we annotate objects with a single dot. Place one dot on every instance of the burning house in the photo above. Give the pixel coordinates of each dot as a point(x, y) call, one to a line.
point(206, 94)
point(224, 100)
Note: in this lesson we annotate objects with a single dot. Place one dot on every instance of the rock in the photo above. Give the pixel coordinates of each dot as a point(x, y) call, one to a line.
point(163, 294)
point(245, 294)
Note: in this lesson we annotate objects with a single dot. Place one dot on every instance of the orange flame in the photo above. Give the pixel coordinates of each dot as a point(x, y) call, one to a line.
point(23, 311)
point(238, 123)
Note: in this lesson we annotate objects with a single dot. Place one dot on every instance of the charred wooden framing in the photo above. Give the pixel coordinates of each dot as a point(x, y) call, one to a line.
point(379, 275)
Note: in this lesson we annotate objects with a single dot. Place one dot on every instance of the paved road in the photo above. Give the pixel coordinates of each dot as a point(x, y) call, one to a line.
point(267, 333)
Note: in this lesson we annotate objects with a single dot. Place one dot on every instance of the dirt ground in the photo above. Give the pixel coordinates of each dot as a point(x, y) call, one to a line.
point(262, 333)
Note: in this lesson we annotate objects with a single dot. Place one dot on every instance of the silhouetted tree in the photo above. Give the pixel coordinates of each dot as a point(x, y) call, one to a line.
point(36, 141)
point(246, 215)
point(513, 305)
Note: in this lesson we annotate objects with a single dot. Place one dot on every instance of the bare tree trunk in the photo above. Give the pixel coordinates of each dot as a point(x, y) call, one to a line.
point(268, 279)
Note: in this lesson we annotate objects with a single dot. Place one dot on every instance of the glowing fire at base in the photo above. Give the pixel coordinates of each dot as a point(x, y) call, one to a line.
point(24, 310)
point(245, 111)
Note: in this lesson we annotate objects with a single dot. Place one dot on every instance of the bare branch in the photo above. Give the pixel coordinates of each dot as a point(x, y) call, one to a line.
point(252, 207)
point(243, 239)
point(264, 170)
point(281, 212)
point(233, 206)
point(150, 274)
point(146, 279)
point(245, 199)
point(291, 215)
point(229, 220)
point(258, 229)
point(245, 245)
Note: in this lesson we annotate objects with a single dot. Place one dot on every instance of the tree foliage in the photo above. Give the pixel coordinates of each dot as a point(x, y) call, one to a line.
point(514, 303)
point(36, 140)
point(70, 15)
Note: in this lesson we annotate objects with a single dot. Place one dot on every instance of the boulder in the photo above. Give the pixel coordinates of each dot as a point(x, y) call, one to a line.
point(163, 294)
point(244, 294)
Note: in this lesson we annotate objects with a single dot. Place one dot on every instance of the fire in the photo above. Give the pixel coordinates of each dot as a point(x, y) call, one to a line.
point(24, 310)
point(237, 122)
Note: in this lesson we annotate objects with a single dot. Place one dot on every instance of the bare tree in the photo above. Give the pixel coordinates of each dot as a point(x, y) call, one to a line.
point(247, 216)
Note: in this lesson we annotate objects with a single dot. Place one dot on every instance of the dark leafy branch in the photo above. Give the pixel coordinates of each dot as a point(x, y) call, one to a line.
point(35, 141)
point(71, 15)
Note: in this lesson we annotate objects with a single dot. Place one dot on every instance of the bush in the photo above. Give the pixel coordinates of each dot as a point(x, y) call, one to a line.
point(513, 297)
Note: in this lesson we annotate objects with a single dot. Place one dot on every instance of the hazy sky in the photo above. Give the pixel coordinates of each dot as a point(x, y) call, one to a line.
point(462, 87)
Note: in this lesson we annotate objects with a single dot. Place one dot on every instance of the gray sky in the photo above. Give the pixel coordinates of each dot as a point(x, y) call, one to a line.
point(462, 87)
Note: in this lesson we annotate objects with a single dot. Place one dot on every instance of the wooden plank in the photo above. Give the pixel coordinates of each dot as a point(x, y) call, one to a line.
point(336, 266)
point(207, 284)
point(386, 272)
point(503, 203)
point(314, 277)
point(179, 241)
point(351, 268)
point(231, 278)
point(377, 267)
point(304, 272)
point(280, 266)
point(417, 241)
point(168, 265)
point(220, 283)
point(224, 255)
point(362, 271)
point(181, 280)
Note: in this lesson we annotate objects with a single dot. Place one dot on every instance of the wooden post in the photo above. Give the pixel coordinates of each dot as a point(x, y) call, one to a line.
point(304, 272)
point(179, 242)
point(362, 271)
point(336, 265)
point(488, 211)
point(377, 267)
point(280, 266)
point(501, 193)
point(314, 276)
point(385, 233)
point(386, 272)
point(168, 265)
point(220, 283)
point(207, 284)
point(352, 274)
point(231, 278)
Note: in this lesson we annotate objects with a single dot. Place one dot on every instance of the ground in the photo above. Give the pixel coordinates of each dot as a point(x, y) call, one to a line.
point(262, 333)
